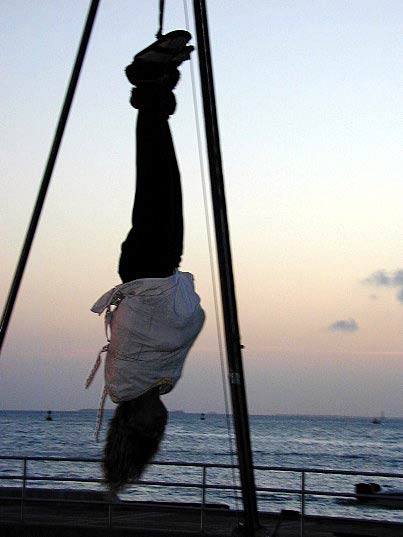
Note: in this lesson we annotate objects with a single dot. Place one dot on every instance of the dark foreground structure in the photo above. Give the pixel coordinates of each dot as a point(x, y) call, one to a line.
point(49, 517)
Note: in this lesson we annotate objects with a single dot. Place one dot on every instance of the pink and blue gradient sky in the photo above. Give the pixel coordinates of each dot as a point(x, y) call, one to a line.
point(308, 103)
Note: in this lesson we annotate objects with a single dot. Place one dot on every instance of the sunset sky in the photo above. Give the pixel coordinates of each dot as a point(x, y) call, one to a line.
point(309, 105)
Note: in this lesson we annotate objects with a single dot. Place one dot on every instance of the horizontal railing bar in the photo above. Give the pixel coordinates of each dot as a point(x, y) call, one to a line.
point(307, 492)
point(79, 459)
point(326, 471)
point(173, 484)
point(318, 493)
point(123, 503)
point(67, 479)
point(37, 458)
point(147, 483)
point(215, 487)
point(213, 465)
point(348, 494)
point(93, 480)
point(55, 500)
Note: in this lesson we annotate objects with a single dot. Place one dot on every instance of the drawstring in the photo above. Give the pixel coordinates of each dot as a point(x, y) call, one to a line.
point(105, 348)
point(111, 298)
point(104, 391)
point(95, 366)
point(91, 376)
point(100, 413)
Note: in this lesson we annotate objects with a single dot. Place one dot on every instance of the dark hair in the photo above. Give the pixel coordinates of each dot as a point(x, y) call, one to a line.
point(133, 438)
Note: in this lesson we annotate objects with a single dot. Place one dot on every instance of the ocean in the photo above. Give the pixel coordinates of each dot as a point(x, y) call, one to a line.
point(314, 442)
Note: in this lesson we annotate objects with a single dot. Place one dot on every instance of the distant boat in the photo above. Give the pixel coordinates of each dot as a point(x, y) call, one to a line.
point(202, 416)
point(379, 420)
point(49, 416)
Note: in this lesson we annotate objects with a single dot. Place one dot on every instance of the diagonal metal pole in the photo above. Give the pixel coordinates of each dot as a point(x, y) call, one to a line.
point(48, 170)
point(252, 527)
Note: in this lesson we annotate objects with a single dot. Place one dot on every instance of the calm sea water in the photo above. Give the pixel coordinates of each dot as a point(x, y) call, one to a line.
point(287, 441)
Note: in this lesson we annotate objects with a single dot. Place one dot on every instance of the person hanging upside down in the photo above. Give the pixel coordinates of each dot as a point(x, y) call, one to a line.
point(155, 314)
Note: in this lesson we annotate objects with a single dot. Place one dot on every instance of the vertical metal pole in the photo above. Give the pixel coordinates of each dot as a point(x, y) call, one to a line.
point(24, 484)
point(302, 503)
point(109, 515)
point(233, 345)
point(203, 498)
point(48, 171)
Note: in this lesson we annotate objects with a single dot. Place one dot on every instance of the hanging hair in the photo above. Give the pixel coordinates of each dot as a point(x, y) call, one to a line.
point(134, 435)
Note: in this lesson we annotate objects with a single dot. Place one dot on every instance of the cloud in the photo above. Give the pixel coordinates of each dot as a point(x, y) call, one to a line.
point(381, 278)
point(378, 279)
point(344, 325)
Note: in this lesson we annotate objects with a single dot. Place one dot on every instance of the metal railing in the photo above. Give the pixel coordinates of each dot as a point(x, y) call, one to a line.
point(203, 485)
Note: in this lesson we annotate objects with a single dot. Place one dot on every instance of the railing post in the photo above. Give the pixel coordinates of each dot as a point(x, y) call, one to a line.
point(109, 515)
point(302, 503)
point(24, 480)
point(204, 480)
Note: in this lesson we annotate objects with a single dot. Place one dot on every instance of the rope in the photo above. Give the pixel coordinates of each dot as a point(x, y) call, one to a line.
point(88, 383)
point(100, 413)
point(224, 374)
point(161, 19)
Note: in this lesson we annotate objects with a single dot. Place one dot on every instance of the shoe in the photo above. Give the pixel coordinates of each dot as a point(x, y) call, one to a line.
point(159, 61)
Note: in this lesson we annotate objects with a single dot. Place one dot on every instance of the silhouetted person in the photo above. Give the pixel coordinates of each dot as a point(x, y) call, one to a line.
point(157, 314)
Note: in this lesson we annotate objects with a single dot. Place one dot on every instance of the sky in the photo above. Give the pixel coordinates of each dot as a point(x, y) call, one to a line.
point(310, 123)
